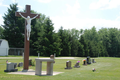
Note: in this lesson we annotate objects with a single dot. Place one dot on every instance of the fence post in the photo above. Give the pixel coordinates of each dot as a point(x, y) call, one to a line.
point(38, 55)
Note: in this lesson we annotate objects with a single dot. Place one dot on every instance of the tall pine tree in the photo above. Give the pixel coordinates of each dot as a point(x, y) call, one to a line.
point(13, 27)
point(1, 32)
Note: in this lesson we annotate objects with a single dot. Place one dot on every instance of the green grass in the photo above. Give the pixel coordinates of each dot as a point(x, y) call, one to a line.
point(107, 68)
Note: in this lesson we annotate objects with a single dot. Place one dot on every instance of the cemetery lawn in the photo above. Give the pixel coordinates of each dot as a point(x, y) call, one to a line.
point(107, 68)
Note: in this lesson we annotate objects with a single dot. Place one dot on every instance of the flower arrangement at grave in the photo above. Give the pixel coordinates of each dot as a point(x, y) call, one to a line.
point(77, 64)
point(93, 69)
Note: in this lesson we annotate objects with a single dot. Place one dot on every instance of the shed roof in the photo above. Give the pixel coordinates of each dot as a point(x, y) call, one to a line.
point(2, 40)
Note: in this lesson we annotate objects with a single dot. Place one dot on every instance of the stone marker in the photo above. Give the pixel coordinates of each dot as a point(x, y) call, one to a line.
point(93, 61)
point(88, 60)
point(68, 65)
point(15, 65)
point(30, 62)
point(84, 62)
point(11, 67)
point(20, 64)
point(77, 65)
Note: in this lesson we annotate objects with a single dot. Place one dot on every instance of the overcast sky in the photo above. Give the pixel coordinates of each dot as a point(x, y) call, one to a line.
point(79, 14)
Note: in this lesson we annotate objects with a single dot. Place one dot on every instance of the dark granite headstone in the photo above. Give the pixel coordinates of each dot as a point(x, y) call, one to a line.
point(15, 65)
point(93, 61)
point(88, 60)
point(20, 64)
point(84, 62)
point(30, 62)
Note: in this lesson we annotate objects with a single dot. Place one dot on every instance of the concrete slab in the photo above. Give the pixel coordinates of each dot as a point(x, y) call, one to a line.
point(32, 72)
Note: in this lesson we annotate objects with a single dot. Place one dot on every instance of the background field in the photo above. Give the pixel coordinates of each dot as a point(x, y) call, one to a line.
point(107, 68)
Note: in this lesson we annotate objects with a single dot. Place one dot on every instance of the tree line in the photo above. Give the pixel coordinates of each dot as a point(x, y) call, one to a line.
point(44, 40)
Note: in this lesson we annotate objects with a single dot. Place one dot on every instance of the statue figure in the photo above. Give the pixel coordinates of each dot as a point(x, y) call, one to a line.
point(28, 27)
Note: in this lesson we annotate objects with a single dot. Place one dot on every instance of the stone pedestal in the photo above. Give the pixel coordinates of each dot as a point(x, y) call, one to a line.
point(50, 63)
point(49, 68)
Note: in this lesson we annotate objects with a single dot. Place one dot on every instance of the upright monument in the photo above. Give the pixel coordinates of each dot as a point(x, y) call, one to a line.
point(28, 16)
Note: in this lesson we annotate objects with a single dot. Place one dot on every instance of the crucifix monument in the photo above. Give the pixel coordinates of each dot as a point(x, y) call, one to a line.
point(28, 16)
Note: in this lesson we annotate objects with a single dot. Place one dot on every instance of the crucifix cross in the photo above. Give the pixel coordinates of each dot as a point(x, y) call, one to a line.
point(26, 43)
point(27, 13)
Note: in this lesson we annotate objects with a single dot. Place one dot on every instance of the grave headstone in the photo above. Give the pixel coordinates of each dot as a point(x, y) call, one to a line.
point(77, 65)
point(15, 65)
point(68, 65)
point(10, 67)
point(84, 62)
point(30, 62)
point(20, 64)
point(88, 60)
point(93, 61)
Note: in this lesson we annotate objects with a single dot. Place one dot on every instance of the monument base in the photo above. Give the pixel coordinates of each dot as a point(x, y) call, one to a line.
point(76, 66)
point(68, 68)
point(13, 70)
point(24, 70)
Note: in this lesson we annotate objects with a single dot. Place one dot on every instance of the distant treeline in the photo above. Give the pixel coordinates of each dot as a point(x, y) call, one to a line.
point(44, 40)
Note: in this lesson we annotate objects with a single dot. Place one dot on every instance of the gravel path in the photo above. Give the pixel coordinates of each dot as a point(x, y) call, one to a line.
point(36, 57)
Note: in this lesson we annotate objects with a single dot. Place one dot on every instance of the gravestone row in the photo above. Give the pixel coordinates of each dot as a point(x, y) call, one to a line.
point(85, 62)
point(11, 66)
point(68, 65)
point(88, 61)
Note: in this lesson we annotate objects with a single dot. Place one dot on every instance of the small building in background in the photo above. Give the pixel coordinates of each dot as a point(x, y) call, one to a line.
point(4, 47)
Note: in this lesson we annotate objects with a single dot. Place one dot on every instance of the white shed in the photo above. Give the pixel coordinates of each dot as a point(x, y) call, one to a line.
point(4, 47)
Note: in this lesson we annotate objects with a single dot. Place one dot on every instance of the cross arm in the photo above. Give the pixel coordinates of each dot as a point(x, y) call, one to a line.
point(25, 15)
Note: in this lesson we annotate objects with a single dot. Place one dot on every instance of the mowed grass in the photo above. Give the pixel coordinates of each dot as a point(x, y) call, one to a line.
point(107, 68)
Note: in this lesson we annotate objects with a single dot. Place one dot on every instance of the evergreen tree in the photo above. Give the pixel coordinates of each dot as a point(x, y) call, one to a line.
point(81, 51)
point(84, 43)
point(1, 32)
point(46, 42)
point(13, 27)
point(74, 41)
point(65, 42)
point(113, 49)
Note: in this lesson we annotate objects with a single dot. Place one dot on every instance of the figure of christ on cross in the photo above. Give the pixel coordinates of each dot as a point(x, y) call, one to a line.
point(28, 27)
point(28, 16)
